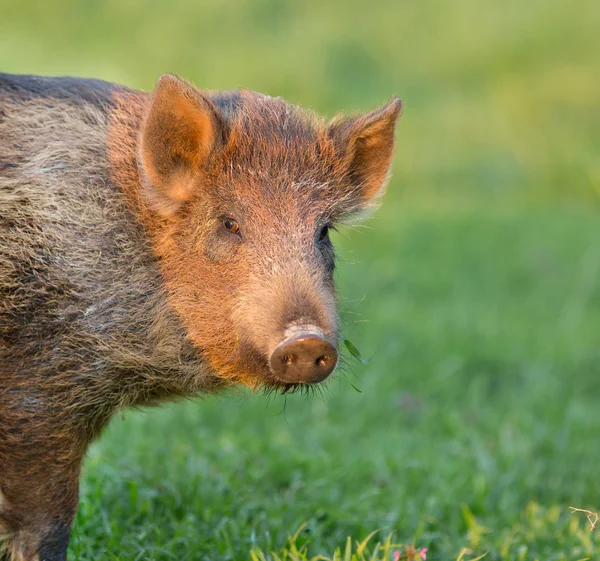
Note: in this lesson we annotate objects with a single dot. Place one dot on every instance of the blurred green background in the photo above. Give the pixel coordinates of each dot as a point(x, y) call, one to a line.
point(475, 287)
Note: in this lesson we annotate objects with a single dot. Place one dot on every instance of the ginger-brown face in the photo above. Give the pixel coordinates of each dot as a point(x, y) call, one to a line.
point(247, 188)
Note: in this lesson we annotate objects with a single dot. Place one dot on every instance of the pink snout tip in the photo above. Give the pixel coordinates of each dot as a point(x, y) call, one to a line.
point(305, 356)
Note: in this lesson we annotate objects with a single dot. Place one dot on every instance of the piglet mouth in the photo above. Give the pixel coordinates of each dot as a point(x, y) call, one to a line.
point(304, 356)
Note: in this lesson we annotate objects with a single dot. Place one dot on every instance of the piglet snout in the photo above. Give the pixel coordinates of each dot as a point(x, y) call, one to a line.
point(304, 356)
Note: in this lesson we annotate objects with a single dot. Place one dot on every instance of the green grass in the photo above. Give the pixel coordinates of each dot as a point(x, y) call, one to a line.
point(475, 289)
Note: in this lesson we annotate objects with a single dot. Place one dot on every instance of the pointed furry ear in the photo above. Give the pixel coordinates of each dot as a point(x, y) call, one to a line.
point(180, 133)
point(366, 143)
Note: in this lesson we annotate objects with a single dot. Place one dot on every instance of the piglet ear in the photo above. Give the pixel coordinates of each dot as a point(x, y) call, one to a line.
point(366, 143)
point(181, 132)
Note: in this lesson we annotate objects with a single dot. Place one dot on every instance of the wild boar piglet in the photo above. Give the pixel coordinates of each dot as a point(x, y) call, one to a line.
point(154, 246)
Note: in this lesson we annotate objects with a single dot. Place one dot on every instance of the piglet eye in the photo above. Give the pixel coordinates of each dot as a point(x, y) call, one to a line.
point(324, 233)
point(231, 225)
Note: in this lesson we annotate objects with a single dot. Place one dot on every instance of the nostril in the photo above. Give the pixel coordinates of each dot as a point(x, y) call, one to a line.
point(321, 361)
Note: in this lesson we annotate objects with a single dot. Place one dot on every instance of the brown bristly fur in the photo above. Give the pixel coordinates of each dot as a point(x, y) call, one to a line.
point(119, 286)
